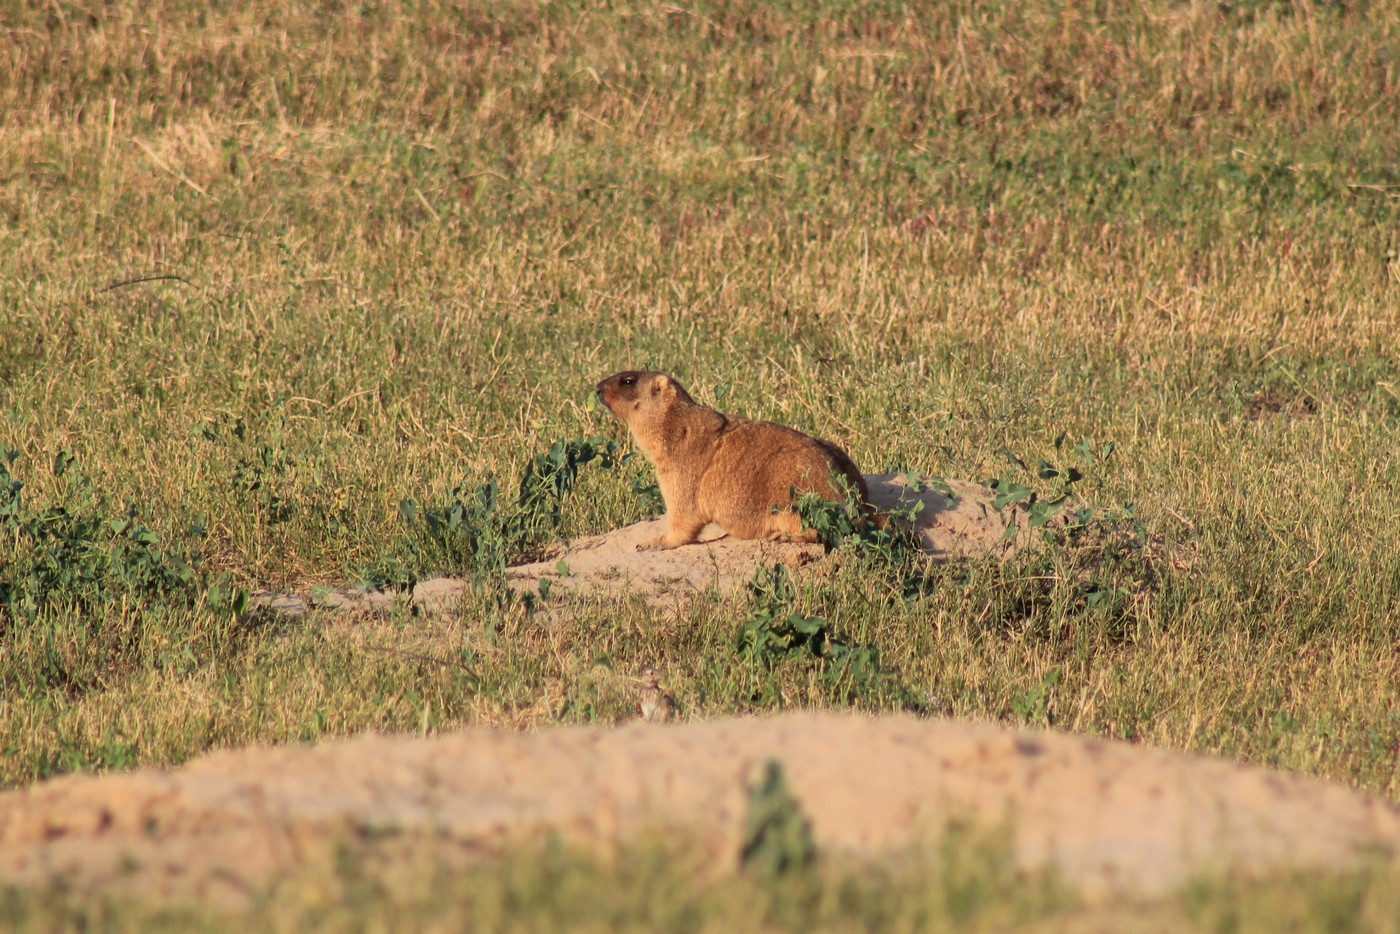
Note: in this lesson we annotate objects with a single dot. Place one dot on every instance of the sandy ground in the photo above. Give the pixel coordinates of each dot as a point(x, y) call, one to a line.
point(1112, 818)
point(961, 526)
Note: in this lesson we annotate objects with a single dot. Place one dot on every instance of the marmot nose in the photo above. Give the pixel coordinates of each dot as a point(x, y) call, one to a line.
point(599, 388)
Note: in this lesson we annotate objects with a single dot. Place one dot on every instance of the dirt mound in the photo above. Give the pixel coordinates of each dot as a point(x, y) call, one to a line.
point(958, 522)
point(1112, 818)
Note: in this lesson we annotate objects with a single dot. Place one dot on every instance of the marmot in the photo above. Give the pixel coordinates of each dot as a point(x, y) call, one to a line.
point(713, 467)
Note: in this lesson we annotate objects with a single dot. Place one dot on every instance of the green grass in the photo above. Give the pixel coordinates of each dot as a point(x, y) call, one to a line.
point(400, 243)
point(396, 883)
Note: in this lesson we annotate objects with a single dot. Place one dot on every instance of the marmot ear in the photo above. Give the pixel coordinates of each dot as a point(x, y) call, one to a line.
point(660, 384)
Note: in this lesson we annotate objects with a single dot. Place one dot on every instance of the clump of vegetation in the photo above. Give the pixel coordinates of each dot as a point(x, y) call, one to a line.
point(80, 554)
point(477, 530)
point(848, 522)
point(1044, 507)
point(778, 836)
point(775, 634)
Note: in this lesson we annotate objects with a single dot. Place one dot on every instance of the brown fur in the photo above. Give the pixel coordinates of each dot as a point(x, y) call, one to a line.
point(718, 468)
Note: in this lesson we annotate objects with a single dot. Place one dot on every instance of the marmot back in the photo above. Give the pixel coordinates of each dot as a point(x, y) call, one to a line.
point(733, 471)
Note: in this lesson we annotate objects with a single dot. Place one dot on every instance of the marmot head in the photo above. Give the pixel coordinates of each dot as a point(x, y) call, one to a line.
point(630, 391)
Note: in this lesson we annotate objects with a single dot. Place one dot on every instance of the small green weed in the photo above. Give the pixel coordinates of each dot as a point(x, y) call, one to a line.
point(774, 633)
point(479, 531)
point(1057, 483)
point(77, 553)
point(263, 468)
point(851, 672)
point(848, 522)
point(551, 476)
point(778, 838)
point(1035, 707)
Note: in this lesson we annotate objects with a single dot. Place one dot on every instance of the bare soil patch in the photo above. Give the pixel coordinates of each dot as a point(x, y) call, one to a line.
point(1112, 818)
point(961, 525)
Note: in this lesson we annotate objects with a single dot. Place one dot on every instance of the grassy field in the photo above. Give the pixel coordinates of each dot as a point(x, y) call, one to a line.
point(284, 285)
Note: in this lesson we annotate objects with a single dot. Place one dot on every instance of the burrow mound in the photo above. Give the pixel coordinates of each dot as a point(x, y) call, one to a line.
point(956, 519)
point(1110, 818)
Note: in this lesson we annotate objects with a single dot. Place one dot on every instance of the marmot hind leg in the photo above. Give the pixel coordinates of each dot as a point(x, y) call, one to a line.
point(786, 526)
point(678, 532)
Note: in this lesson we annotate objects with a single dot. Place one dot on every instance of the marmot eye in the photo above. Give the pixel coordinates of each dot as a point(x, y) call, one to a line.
point(629, 380)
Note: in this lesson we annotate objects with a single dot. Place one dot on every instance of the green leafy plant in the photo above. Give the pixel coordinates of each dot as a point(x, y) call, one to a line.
point(777, 837)
point(848, 522)
point(648, 494)
point(1052, 496)
point(1035, 706)
point(551, 476)
point(775, 634)
point(76, 553)
point(478, 529)
point(262, 469)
